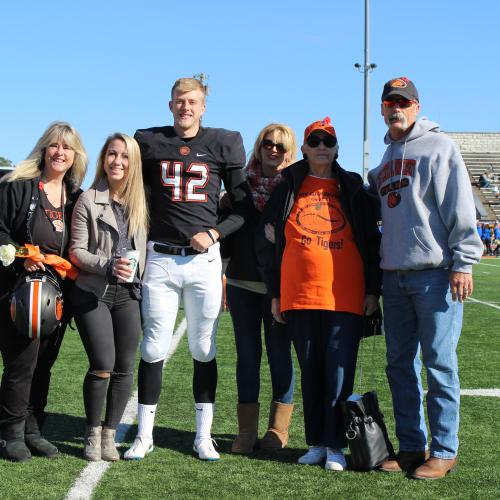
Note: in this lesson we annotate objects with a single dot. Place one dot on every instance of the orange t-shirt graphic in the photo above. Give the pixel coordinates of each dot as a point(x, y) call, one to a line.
point(321, 266)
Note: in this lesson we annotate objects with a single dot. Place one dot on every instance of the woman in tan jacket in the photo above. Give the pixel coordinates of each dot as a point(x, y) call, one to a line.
point(109, 220)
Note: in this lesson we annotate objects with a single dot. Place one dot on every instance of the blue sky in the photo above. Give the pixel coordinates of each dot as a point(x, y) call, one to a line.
point(108, 66)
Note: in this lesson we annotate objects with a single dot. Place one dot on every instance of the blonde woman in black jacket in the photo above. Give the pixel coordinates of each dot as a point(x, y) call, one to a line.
point(36, 201)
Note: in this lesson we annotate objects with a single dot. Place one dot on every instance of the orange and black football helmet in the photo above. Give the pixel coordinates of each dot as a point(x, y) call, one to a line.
point(36, 304)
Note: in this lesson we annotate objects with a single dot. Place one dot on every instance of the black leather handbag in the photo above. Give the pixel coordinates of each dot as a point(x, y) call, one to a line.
point(366, 432)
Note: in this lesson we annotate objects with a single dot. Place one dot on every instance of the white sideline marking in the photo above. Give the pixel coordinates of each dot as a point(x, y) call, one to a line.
point(492, 393)
point(485, 264)
point(90, 476)
point(484, 303)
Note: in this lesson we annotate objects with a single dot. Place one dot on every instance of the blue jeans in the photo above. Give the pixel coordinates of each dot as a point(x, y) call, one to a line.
point(248, 311)
point(326, 343)
point(420, 316)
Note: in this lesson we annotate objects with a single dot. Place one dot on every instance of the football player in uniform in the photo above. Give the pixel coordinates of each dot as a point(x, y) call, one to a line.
point(183, 166)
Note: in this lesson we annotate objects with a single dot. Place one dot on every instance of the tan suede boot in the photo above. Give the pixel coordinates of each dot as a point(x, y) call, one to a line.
point(92, 444)
point(248, 424)
point(108, 445)
point(276, 436)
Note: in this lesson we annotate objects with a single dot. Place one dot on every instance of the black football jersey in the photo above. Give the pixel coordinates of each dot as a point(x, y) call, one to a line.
point(184, 181)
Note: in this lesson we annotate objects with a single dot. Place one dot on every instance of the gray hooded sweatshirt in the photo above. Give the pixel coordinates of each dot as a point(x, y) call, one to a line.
point(428, 211)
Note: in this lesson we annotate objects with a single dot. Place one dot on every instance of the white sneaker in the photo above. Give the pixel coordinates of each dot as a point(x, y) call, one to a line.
point(315, 455)
point(205, 449)
point(335, 460)
point(141, 447)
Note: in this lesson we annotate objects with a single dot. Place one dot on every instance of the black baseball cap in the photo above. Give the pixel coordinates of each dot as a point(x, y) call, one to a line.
point(401, 86)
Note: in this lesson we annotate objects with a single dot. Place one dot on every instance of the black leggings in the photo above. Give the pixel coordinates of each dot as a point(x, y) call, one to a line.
point(110, 328)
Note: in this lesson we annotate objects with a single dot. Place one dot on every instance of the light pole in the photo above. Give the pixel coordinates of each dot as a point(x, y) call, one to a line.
point(366, 70)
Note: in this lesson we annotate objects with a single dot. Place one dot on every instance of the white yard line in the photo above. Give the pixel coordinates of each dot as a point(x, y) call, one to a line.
point(492, 393)
point(90, 476)
point(485, 264)
point(484, 303)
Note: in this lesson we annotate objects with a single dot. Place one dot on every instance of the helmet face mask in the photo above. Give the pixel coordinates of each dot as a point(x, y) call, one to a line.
point(36, 305)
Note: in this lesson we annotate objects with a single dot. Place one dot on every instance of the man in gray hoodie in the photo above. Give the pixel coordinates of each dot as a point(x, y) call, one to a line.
point(429, 243)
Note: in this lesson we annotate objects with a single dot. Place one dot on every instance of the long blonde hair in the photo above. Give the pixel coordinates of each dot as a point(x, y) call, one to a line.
point(287, 137)
point(132, 189)
point(33, 165)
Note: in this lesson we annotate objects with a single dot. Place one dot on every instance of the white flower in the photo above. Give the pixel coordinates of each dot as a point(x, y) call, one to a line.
point(7, 254)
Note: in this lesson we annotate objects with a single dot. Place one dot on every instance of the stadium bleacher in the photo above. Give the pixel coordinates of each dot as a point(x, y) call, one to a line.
point(477, 164)
point(481, 153)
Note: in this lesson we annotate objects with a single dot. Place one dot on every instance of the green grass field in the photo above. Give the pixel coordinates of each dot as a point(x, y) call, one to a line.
point(173, 471)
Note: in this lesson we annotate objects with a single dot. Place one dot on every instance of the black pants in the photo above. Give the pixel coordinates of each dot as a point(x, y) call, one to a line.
point(326, 343)
point(110, 328)
point(27, 369)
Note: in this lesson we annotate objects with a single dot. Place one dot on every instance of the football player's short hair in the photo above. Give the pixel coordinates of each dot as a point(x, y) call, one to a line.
point(187, 85)
point(281, 133)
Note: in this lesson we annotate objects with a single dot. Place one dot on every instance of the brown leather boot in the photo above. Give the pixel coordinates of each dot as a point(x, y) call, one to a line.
point(435, 468)
point(248, 424)
point(405, 461)
point(276, 436)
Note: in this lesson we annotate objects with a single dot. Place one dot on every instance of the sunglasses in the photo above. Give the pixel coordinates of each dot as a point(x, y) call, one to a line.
point(269, 145)
point(314, 141)
point(400, 103)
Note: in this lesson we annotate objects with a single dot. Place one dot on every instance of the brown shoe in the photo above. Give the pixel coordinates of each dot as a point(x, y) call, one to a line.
point(405, 461)
point(276, 436)
point(435, 468)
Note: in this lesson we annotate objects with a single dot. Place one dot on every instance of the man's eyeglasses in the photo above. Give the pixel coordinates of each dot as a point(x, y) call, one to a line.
point(269, 145)
point(400, 103)
point(314, 141)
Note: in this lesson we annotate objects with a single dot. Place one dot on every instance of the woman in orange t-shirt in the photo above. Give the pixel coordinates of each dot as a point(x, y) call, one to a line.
point(322, 273)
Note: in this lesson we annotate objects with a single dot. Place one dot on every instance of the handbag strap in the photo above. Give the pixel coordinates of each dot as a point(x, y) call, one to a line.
point(361, 356)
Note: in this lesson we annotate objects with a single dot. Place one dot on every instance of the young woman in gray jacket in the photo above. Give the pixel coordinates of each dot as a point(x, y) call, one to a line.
point(109, 220)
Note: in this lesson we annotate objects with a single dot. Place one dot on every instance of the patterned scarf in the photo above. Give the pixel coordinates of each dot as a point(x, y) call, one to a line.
point(260, 186)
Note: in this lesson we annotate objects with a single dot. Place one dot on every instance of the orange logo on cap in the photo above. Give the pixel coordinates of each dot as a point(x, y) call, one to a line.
point(399, 83)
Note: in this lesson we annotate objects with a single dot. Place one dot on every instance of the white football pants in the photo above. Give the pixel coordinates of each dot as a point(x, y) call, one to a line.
point(168, 279)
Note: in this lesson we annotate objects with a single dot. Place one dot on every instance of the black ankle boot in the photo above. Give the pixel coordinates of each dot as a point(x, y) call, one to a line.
point(36, 443)
point(13, 445)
